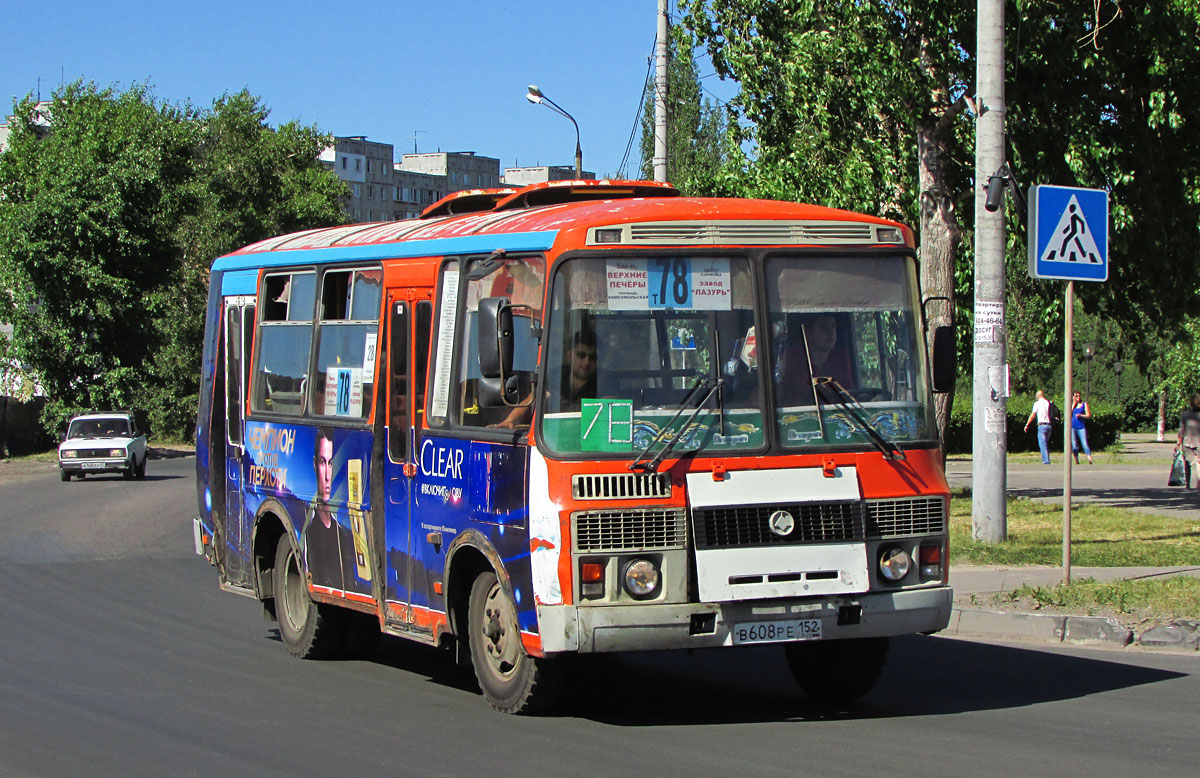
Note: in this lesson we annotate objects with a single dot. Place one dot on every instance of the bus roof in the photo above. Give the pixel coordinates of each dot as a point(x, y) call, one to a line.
point(566, 214)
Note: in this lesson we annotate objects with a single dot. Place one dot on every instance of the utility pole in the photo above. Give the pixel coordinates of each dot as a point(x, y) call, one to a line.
point(660, 95)
point(989, 478)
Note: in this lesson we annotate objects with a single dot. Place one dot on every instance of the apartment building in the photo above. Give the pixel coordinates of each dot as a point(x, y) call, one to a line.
point(524, 176)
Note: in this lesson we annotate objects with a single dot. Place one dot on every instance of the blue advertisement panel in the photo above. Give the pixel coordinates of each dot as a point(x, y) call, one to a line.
point(460, 486)
point(321, 477)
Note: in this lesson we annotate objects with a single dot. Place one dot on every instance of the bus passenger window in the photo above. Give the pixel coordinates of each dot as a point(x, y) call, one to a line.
point(285, 334)
point(347, 336)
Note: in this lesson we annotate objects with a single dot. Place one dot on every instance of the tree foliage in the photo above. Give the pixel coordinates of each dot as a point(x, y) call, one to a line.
point(112, 205)
point(858, 105)
point(696, 129)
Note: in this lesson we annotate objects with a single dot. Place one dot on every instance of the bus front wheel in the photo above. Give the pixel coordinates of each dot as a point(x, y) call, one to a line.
point(512, 681)
point(309, 630)
point(837, 671)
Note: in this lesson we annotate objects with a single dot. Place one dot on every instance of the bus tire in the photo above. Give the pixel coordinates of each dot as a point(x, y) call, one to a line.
point(837, 671)
point(310, 630)
point(512, 681)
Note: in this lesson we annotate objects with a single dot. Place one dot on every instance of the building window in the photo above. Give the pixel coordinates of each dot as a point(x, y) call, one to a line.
point(466, 179)
point(358, 164)
point(368, 166)
point(358, 190)
point(370, 189)
point(343, 163)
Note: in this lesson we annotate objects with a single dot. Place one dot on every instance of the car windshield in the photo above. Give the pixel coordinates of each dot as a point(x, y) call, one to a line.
point(635, 345)
point(846, 331)
point(98, 428)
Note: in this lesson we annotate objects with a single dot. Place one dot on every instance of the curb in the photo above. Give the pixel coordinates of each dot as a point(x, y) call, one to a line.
point(1065, 628)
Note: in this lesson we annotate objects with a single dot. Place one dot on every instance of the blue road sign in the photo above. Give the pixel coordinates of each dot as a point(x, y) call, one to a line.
point(1068, 233)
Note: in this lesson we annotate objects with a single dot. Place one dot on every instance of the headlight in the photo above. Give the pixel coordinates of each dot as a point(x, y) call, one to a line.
point(641, 578)
point(70, 454)
point(894, 564)
point(116, 452)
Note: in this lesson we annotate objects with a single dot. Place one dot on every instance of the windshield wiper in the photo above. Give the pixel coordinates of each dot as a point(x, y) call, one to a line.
point(690, 399)
point(851, 405)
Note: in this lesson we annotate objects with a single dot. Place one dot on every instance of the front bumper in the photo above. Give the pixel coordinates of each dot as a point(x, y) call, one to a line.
point(595, 629)
point(76, 466)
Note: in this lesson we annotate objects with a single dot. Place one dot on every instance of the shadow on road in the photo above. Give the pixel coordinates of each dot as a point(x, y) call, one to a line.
point(925, 676)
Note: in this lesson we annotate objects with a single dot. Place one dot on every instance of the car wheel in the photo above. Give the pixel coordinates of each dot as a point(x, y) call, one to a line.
point(310, 630)
point(127, 473)
point(63, 475)
point(512, 681)
point(140, 473)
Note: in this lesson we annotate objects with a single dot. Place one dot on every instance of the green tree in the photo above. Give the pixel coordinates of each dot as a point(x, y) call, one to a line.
point(112, 207)
point(855, 105)
point(88, 206)
point(695, 127)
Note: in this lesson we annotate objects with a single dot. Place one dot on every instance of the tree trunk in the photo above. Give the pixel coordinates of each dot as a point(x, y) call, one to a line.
point(1162, 416)
point(940, 239)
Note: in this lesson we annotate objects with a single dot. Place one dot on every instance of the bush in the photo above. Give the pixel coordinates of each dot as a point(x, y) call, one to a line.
point(1103, 429)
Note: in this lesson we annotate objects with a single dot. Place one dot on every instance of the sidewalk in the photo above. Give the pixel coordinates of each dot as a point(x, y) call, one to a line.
point(1135, 479)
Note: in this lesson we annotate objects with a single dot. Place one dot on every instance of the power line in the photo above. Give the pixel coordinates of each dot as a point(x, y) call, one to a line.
point(637, 117)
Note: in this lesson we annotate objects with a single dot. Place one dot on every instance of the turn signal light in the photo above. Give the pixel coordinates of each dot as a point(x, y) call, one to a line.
point(592, 572)
point(591, 577)
point(931, 561)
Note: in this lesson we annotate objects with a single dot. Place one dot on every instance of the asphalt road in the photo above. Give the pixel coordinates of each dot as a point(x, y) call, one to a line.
point(119, 657)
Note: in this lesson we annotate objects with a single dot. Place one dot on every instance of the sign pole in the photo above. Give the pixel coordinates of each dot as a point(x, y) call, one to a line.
point(1069, 375)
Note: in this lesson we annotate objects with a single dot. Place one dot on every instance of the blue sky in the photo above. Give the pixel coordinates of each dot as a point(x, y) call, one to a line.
point(451, 72)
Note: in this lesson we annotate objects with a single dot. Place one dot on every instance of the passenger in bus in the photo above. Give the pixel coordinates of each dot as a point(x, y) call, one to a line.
point(324, 538)
point(577, 381)
point(829, 359)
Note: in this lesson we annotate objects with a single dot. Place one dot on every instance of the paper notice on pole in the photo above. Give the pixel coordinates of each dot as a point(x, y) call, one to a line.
point(993, 420)
point(989, 320)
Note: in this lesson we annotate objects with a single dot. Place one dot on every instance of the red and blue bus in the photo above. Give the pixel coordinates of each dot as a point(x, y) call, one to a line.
point(578, 417)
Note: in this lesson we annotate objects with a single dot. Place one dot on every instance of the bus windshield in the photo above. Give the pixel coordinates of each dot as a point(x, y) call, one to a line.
point(846, 350)
point(635, 345)
point(665, 351)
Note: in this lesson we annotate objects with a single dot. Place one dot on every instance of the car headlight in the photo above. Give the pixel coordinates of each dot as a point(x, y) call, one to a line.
point(894, 564)
point(640, 578)
point(69, 454)
point(117, 452)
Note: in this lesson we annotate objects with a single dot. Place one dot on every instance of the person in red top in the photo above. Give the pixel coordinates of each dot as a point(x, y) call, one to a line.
point(827, 357)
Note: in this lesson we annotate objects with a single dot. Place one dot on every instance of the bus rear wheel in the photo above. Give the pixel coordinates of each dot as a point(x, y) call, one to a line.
point(310, 630)
point(512, 681)
point(837, 671)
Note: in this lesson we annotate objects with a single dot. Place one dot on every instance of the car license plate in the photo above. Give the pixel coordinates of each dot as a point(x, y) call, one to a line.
point(93, 465)
point(776, 631)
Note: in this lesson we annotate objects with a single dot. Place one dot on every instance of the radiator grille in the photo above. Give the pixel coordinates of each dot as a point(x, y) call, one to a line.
point(748, 525)
point(629, 530)
point(621, 486)
point(95, 453)
point(895, 518)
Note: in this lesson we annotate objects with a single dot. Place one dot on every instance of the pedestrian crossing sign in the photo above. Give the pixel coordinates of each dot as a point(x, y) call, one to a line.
point(1068, 233)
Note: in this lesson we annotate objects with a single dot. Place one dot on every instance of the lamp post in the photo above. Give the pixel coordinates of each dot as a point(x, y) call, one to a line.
point(534, 95)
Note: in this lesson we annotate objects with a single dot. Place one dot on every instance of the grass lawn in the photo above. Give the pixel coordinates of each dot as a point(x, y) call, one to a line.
point(1100, 537)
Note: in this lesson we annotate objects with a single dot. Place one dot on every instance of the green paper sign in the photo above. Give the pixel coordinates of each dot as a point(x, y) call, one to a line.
point(606, 425)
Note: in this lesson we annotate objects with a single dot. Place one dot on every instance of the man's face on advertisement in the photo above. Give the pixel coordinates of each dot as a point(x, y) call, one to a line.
point(324, 465)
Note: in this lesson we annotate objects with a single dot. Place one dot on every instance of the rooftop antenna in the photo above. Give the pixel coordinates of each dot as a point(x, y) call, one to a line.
point(413, 138)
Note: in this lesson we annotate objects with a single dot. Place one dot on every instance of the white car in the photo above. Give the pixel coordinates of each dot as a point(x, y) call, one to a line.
point(100, 443)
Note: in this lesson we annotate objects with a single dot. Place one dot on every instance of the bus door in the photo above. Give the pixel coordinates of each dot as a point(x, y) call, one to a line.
point(239, 330)
point(409, 316)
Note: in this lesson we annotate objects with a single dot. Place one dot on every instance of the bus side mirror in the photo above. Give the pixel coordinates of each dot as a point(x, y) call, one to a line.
point(944, 357)
point(495, 337)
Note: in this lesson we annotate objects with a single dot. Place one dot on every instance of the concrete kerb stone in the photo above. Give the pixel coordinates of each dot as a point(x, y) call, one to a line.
point(1066, 628)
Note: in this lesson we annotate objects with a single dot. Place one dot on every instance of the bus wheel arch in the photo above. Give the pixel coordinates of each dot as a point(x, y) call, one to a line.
point(269, 527)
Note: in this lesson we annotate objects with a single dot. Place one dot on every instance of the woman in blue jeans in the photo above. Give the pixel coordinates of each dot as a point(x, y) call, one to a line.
point(1079, 412)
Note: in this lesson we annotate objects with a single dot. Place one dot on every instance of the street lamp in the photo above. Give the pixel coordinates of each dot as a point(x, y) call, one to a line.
point(535, 96)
